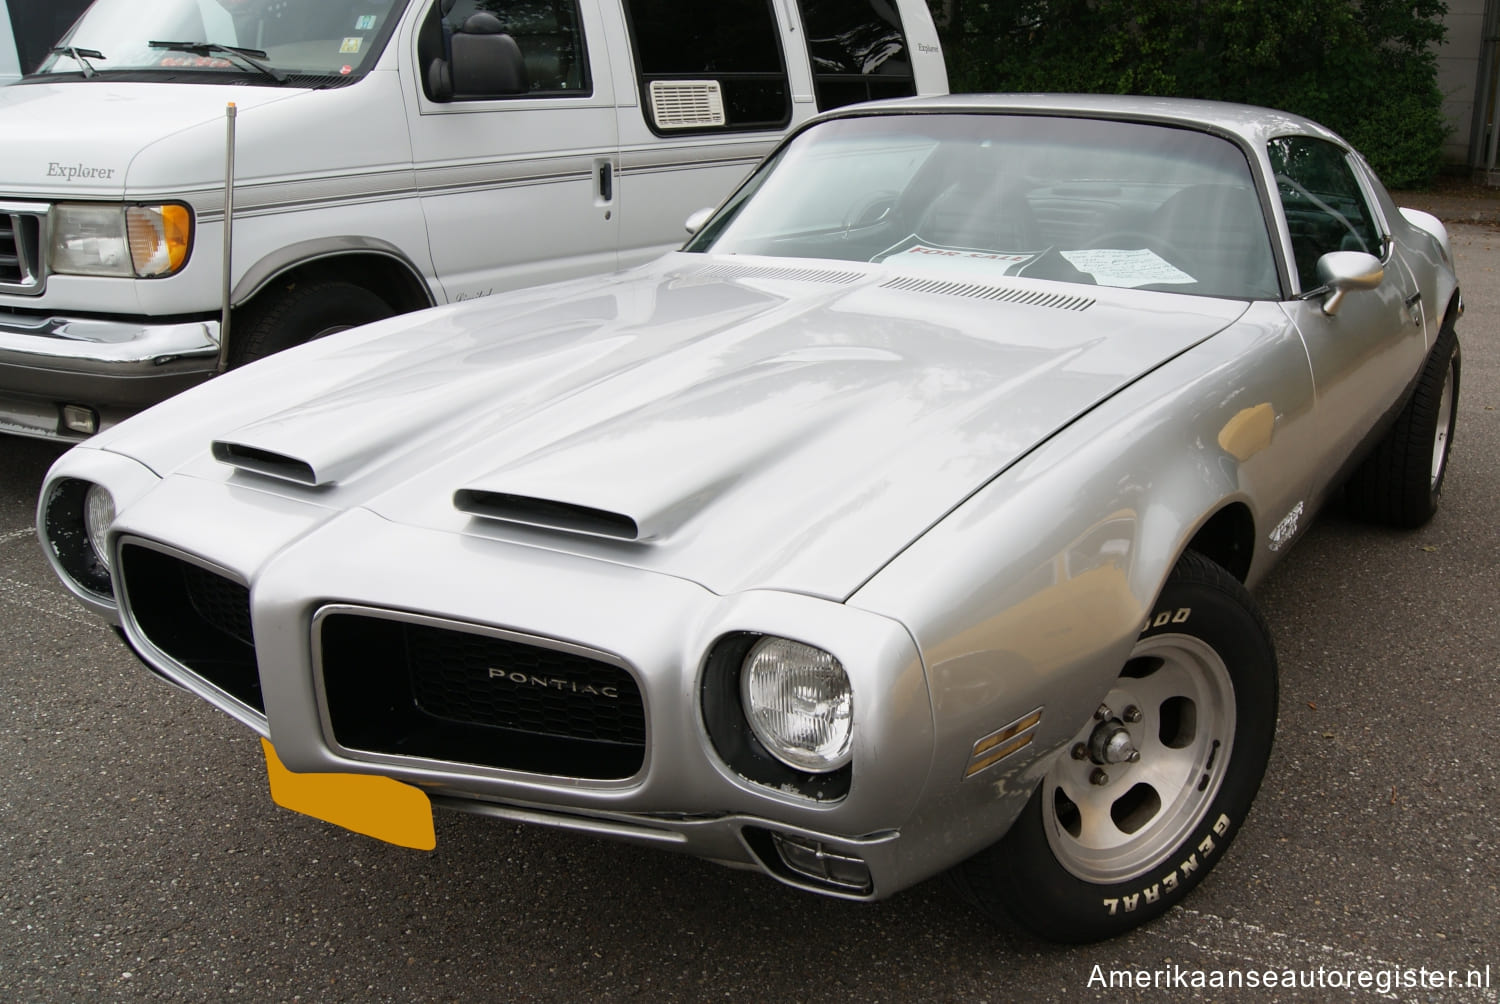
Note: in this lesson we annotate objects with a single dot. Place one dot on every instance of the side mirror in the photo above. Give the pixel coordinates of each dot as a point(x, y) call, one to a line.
point(695, 222)
point(1345, 272)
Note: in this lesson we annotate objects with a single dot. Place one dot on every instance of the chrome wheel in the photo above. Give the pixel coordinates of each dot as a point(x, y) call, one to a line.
point(1142, 774)
point(1444, 425)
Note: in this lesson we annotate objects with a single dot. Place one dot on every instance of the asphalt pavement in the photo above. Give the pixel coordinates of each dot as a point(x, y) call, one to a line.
point(141, 857)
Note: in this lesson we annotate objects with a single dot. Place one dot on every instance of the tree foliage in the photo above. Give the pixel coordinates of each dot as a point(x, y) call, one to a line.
point(1365, 68)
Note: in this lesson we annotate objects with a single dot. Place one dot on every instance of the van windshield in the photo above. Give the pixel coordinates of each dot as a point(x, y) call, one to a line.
point(259, 41)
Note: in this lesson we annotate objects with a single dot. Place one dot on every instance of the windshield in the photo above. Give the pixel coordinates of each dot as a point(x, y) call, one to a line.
point(981, 195)
point(263, 41)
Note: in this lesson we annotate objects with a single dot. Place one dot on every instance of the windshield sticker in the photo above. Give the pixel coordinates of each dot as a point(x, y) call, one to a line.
point(365, 22)
point(351, 44)
point(1140, 267)
point(913, 255)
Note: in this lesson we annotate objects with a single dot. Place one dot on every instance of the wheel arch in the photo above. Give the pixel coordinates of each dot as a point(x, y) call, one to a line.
point(374, 264)
point(1227, 538)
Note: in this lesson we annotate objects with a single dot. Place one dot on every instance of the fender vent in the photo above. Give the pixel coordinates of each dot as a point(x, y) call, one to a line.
point(981, 291)
point(274, 465)
point(545, 513)
point(686, 104)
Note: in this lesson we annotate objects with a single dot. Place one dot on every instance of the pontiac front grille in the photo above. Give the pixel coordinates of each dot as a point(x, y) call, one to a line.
point(198, 618)
point(21, 249)
point(410, 687)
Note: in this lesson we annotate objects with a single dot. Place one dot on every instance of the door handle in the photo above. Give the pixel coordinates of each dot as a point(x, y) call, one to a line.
point(606, 181)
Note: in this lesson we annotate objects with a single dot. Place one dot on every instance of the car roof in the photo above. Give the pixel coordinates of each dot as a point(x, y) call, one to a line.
point(1250, 124)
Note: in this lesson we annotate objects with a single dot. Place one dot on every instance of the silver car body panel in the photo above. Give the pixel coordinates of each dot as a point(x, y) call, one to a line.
point(971, 502)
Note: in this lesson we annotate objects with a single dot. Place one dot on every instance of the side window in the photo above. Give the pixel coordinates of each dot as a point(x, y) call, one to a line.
point(858, 50)
point(714, 71)
point(473, 50)
point(1325, 208)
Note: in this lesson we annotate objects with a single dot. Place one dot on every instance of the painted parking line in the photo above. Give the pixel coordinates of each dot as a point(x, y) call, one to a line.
point(45, 601)
point(1252, 948)
point(21, 534)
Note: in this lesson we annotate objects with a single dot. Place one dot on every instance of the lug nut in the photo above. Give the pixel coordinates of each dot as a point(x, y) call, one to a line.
point(1132, 714)
point(1099, 777)
point(1080, 751)
point(1104, 714)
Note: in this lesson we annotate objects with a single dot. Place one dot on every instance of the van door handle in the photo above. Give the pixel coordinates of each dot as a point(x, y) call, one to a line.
point(606, 181)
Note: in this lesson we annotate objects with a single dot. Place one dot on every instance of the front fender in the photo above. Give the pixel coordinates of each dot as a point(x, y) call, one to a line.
point(1031, 594)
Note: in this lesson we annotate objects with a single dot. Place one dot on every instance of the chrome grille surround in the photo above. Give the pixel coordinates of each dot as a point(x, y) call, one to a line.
point(190, 621)
point(389, 710)
point(23, 242)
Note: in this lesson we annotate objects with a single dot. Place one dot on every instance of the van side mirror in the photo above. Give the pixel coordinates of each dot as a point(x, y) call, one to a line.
point(695, 222)
point(1343, 272)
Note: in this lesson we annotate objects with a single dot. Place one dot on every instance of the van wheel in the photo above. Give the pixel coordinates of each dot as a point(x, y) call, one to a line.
point(1399, 483)
point(1146, 798)
point(296, 311)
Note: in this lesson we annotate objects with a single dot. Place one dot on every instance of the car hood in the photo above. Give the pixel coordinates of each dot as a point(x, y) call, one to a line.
point(82, 138)
point(741, 423)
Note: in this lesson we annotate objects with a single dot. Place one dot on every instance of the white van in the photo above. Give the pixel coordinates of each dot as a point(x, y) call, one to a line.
point(368, 157)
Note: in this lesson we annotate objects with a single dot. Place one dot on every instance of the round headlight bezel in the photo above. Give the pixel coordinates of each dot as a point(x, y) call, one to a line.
point(66, 531)
point(789, 688)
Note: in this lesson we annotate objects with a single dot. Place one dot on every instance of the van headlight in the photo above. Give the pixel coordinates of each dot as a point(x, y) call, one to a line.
point(799, 704)
point(76, 518)
point(100, 238)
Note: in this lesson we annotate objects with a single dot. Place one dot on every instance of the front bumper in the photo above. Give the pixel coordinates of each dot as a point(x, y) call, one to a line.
point(297, 560)
point(112, 367)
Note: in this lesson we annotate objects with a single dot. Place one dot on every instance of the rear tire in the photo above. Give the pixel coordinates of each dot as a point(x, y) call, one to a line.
point(1105, 845)
point(294, 311)
point(1399, 483)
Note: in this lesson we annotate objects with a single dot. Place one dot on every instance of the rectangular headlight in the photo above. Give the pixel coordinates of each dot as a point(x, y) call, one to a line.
point(113, 239)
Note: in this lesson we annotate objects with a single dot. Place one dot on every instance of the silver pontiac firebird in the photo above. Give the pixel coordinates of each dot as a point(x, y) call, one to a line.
point(902, 521)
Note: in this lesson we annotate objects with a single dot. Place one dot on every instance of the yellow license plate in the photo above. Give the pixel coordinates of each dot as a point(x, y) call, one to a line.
point(379, 807)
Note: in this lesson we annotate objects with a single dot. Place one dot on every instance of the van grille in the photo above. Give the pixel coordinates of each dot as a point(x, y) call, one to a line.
point(197, 617)
point(21, 250)
point(403, 687)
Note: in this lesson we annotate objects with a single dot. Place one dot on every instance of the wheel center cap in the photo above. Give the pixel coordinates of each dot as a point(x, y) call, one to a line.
point(1110, 743)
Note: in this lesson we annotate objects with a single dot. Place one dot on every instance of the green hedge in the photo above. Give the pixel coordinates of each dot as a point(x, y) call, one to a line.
point(1365, 69)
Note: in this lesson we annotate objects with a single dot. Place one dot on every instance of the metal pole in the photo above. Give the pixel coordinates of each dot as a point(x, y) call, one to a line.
point(229, 112)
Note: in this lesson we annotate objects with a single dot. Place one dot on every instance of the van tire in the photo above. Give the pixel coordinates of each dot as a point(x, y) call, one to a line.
point(295, 311)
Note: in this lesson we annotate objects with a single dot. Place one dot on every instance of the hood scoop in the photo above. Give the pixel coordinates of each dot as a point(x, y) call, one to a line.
point(267, 462)
point(984, 291)
point(545, 514)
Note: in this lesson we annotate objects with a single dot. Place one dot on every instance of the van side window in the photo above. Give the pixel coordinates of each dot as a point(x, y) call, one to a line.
point(859, 51)
point(709, 72)
point(473, 50)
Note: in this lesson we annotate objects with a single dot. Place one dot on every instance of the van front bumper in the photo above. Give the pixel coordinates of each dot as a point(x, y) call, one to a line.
point(110, 368)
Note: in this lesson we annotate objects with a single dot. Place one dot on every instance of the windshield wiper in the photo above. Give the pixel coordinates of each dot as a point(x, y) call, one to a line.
point(81, 57)
point(250, 57)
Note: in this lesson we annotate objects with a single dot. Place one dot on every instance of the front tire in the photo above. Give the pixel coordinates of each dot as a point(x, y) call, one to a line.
point(296, 310)
point(1150, 793)
point(1399, 483)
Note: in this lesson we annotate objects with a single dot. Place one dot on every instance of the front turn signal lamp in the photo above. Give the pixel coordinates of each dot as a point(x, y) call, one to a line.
point(99, 238)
